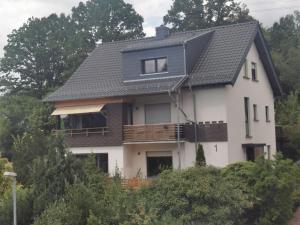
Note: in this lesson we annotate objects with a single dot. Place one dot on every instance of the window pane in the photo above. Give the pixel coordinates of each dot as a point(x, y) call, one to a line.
point(162, 65)
point(149, 66)
point(158, 113)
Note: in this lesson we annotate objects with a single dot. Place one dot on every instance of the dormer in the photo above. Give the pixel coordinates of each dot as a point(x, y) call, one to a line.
point(163, 56)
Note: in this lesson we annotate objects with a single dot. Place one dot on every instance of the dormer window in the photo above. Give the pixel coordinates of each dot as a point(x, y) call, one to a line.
point(157, 65)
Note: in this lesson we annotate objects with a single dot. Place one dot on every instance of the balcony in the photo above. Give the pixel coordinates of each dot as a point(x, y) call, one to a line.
point(151, 133)
point(84, 131)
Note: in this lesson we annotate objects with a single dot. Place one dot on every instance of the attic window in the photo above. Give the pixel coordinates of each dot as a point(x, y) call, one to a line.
point(157, 65)
point(254, 71)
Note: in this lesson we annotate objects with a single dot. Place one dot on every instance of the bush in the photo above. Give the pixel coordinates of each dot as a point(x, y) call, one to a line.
point(270, 186)
point(197, 196)
point(24, 207)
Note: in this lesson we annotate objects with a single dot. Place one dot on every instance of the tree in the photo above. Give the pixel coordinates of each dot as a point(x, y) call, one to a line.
point(107, 20)
point(200, 157)
point(284, 41)
point(42, 54)
point(19, 114)
point(198, 14)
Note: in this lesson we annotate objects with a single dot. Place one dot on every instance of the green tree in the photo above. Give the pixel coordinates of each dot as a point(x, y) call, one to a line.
point(197, 14)
point(43, 53)
point(284, 41)
point(19, 114)
point(200, 157)
point(270, 186)
point(107, 20)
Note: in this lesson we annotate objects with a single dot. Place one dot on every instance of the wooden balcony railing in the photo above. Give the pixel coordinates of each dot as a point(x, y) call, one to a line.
point(151, 132)
point(83, 131)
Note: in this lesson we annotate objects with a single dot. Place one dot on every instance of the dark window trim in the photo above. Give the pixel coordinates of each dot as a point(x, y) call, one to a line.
point(247, 116)
point(254, 75)
point(156, 65)
point(255, 113)
point(267, 112)
point(246, 73)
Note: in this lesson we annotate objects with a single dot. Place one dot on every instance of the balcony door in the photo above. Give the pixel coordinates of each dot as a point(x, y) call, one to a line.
point(158, 113)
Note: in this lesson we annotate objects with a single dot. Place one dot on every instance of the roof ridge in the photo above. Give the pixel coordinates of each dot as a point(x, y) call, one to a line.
point(124, 41)
point(179, 32)
point(215, 27)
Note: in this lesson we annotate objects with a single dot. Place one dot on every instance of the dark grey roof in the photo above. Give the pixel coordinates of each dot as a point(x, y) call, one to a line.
point(101, 73)
point(173, 40)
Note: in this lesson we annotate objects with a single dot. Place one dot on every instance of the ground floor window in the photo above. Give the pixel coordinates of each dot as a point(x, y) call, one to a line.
point(101, 160)
point(253, 152)
point(157, 162)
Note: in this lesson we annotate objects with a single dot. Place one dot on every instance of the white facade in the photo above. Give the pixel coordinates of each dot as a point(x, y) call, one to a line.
point(220, 103)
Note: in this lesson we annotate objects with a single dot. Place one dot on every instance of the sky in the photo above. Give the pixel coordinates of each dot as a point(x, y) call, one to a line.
point(13, 13)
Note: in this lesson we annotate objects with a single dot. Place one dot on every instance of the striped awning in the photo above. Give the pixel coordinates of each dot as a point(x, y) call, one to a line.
point(77, 110)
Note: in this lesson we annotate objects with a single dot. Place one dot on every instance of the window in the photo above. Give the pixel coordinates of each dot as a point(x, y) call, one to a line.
point(267, 114)
point(247, 116)
point(158, 162)
point(80, 121)
point(158, 65)
point(246, 69)
point(255, 116)
point(254, 71)
point(269, 152)
point(158, 113)
point(102, 162)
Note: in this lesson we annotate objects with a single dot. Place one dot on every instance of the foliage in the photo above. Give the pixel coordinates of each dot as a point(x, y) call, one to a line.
point(197, 14)
point(43, 53)
point(198, 196)
point(200, 157)
point(4, 182)
point(24, 207)
point(284, 41)
point(288, 132)
point(270, 186)
point(53, 173)
point(19, 114)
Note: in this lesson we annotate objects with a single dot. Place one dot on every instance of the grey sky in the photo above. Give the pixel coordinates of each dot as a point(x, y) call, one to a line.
point(13, 13)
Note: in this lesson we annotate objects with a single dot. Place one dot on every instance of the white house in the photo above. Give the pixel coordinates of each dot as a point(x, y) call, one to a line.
point(144, 105)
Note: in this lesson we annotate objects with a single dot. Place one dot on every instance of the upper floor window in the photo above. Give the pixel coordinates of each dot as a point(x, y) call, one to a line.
point(254, 71)
point(246, 69)
point(267, 114)
point(255, 116)
point(158, 65)
point(247, 116)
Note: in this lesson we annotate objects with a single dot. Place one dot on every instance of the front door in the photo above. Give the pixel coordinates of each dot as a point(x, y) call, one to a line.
point(157, 162)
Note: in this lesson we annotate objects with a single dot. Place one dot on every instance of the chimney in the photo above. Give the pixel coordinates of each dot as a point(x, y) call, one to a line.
point(162, 32)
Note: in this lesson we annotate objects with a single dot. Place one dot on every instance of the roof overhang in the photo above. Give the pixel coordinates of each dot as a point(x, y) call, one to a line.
point(77, 110)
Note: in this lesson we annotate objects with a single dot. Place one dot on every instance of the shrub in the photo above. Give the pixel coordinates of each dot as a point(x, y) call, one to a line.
point(269, 185)
point(197, 196)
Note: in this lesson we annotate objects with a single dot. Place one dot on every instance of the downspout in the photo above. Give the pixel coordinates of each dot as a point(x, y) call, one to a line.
point(176, 89)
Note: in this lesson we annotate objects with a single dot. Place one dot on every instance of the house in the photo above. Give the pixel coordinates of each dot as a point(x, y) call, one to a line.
point(144, 105)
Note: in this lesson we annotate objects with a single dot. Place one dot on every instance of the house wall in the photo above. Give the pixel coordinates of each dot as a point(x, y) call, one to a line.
point(260, 93)
point(115, 156)
point(132, 62)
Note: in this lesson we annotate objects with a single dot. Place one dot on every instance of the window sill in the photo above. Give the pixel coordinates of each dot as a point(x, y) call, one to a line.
point(268, 121)
point(256, 120)
point(152, 74)
point(255, 80)
point(248, 136)
point(247, 78)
